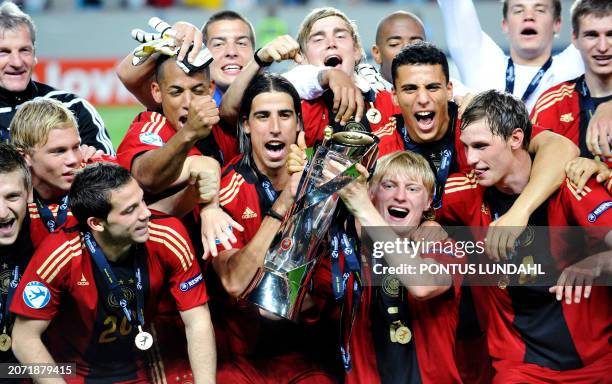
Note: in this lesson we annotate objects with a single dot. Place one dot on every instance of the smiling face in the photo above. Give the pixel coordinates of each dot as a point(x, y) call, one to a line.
point(394, 34)
point(530, 26)
point(400, 199)
point(17, 58)
point(422, 93)
point(13, 205)
point(330, 43)
point(176, 90)
point(53, 164)
point(128, 220)
point(272, 126)
point(230, 44)
point(594, 41)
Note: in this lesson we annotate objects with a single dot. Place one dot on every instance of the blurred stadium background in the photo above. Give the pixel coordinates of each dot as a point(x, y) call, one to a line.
point(79, 42)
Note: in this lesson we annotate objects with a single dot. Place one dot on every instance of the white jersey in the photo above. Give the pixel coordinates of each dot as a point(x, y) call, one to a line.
point(482, 63)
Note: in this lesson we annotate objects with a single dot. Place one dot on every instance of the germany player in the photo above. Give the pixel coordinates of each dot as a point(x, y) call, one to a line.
point(567, 108)
point(45, 132)
point(101, 286)
point(533, 336)
point(255, 191)
point(15, 245)
point(400, 321)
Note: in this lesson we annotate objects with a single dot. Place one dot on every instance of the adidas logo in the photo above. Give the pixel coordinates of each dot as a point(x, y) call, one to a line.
point(566, 117)
point(83, 280)
point(248, 213)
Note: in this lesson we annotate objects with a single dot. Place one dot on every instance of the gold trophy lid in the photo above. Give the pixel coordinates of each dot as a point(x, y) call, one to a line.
point(353, 138)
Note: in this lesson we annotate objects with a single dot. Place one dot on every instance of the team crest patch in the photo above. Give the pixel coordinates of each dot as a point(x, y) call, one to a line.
point(151, 138)
point(36, 295)
point(194, 281)
point(592, 217)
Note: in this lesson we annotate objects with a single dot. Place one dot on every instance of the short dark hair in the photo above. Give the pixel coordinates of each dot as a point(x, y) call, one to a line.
point(90, 194)
point(581, 8)
point(502, 111)
point(11, 160)
point(161, 61)
point(228, 15)
point(264, 82)
point(556, 9)
point(420, 53)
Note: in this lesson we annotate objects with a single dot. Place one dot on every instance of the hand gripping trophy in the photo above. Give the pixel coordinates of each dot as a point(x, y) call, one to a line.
point(279, 287)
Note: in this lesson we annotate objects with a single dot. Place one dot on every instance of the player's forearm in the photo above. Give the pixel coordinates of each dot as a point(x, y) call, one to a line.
point(230, 104)
point(137, 79)
point(29, 349)
point(158, 169)
point(552, 153)
point(201, 346)
point(237, 271)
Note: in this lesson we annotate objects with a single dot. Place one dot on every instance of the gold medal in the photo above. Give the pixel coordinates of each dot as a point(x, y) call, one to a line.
point(373, 115)
point(503, 282)
point(403, 335)
point(5, 342)
point(143, 340)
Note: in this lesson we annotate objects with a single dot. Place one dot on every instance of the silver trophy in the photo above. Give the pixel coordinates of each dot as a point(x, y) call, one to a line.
point(279, 287)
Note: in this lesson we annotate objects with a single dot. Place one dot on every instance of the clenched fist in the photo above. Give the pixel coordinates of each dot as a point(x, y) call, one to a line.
point(203, 114)
point(206, 184)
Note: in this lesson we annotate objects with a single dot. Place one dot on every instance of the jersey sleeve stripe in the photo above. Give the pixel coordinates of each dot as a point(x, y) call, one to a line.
point(54, 262)
point(230, 198)
point(541, 107)
point(229, 186)
point(457, 189)
point(59, 268)
point(560, 91)
point(167, 243)
point(177, 238)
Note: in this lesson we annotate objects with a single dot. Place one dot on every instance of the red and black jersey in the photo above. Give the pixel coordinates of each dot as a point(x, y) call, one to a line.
point(151, 130)
point(62, 284)
point(527, 325)
point(316, 115)
point(564, 109)
point(251, 348)
point(433, 323)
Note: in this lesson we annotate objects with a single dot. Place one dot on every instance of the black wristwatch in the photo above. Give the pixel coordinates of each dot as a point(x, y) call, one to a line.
point(262, 64)
point(275, 215)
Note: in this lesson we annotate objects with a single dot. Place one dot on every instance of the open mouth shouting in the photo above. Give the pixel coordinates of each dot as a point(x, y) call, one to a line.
point(7, 227)
point(528, 32)
point(333, 61)
point(425, 120)
point(275, 150)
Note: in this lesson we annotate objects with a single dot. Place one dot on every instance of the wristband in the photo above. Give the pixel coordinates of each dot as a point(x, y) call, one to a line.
point(275, 215)
point(262, 64)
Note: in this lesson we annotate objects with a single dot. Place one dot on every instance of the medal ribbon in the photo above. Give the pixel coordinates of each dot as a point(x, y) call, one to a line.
point(113, 283)
point(510, 77)
point(47, 216)
point(339, 280)
point(9, 298)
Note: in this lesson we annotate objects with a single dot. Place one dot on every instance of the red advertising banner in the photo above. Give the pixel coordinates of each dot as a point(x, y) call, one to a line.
point(93, 80)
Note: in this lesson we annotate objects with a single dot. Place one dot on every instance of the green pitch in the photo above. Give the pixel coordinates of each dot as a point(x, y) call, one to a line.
point(117, 120)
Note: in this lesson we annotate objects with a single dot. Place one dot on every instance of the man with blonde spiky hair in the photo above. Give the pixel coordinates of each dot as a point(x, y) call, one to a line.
point(45, 132)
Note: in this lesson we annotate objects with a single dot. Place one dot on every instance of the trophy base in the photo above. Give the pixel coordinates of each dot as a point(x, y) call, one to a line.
point(281, 293)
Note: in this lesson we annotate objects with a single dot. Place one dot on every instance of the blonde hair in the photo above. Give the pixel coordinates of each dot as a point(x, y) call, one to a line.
point(35, 119)
point(321, 13)
point(404, 163)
